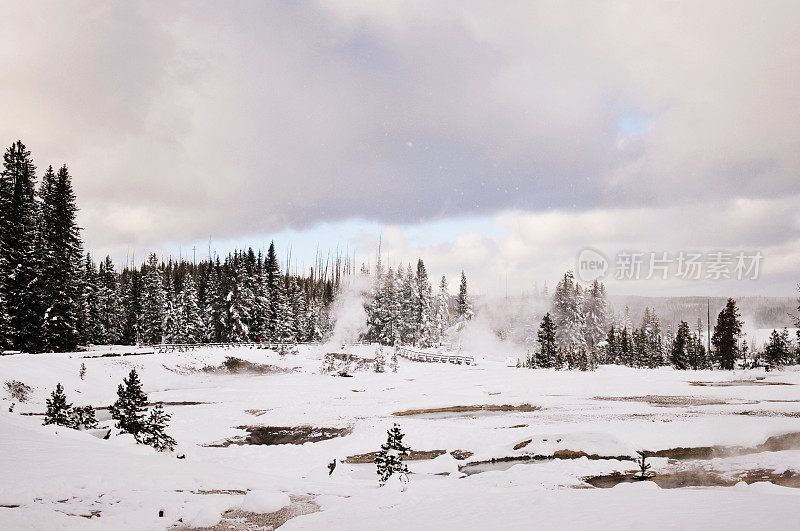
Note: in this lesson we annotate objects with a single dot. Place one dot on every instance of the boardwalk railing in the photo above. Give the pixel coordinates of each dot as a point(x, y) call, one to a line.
point(186, 347)
point(433, 357)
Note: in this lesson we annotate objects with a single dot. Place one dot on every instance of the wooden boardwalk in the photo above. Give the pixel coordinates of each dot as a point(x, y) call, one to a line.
point(433, 357)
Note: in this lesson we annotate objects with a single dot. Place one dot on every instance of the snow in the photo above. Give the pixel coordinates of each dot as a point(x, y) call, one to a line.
point(62, 478)
point(264, 501)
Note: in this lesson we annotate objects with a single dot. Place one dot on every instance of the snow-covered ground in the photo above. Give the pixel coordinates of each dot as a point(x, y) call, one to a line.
point(55, 478)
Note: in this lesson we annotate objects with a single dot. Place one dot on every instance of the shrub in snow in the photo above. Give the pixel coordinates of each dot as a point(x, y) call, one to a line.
point(82, 418)
point(264, 501)
point(395, 364)
point(328, 364)
point(153, 433)
point(130, 407)
point(18, 390)
point(390, 458)
point(82, 372)
point(58, 411)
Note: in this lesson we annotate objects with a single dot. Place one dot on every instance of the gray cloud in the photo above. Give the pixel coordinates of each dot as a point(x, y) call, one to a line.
point(182, 121)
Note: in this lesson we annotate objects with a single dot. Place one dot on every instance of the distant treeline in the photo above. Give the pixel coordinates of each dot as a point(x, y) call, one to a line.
point(53, 297)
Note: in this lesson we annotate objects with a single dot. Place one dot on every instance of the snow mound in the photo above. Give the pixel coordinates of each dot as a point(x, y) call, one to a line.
point(205, 517)
point(264, 501)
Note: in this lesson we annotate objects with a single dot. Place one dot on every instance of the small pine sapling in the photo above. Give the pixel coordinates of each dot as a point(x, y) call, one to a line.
point(394, 365)
point(58, 411)
point(131, 405)
point(390, 458)
point(82, 372)
point(154, 431)
point(83, 418)
point(643, 467)
point(380, 361)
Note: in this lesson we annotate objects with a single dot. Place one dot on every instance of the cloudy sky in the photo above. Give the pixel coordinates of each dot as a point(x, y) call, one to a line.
point(501, 138)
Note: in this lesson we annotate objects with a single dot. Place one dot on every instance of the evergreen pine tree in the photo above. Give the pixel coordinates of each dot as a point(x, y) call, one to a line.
point(58, 411)
point(83, 418)
point(424, 310)
point(131, 405)
point(442, 307)
point(60, 276)
point(19, 265)
point(274, 293)
point(726, 336)
point(463, 303)
point(154, 430)
point(548, 350)
point(567, 314)
point(389, 459)
point(679, 356)
point(153, 303)
point(109, 303)
point(777, 352)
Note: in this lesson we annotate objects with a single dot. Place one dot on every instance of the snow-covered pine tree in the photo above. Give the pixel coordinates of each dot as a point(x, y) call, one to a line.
point(653, 340)
point(240, 302)
point(380, 360)
point(390, 311)
point(778, 350)
point(424, 311)
point(58, 410)
point(285, 333)
point(463, 303)
point(679, 353)
point(66, 279)
point(83, 418)
point(442, 306)
point(595, 312)
point(18, 260)
point(188, 307)
point(109, 303)
point(389, 459)
point(409, 296)
point(215, 313)
point(611, 349)
point(131, 405)
point(154, 430)
point(275, 292)
point(172, 318)
point(153, 303)
point(548, 350)
point(567, 314)
point(374, 307)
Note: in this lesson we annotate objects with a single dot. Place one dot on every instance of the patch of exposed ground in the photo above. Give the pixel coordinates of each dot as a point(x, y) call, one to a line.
point(272, 435)
point(699, 477)
point(669, 401)
point(737, 383)
point(777, 443)
point(233, 365)
point(467, 409)
point(413, 455)
point(763, 413)
point(238, 520)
